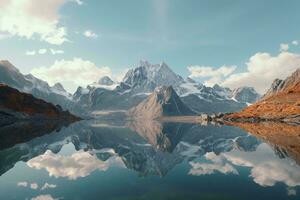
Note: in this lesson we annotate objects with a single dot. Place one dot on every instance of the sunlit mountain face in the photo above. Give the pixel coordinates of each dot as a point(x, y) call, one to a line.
point(149, 159)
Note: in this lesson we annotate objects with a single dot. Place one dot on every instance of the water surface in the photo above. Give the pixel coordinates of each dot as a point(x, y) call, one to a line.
point(147, 160)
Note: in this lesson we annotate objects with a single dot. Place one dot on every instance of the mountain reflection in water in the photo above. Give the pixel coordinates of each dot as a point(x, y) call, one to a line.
point(176, 152)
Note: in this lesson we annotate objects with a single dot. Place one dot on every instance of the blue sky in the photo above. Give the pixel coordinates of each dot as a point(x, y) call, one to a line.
point(202, 33)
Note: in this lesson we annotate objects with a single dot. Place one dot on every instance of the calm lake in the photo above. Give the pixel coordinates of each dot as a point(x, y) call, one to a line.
point(144, 160)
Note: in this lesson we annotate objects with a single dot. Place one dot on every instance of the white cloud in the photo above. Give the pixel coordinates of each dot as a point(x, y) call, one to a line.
point(44, 197)
point(34, 19)
point(295, 42)
point(54, 52)
point(22, 184)
point(262, 69)
point(217, 164)
point(79, 164)
point(71, 73)
point(90, 34)
point(214, 75)
point(79, 2)
point(30, 53)
point(47, 186)
point(42, 51)
point(266, 168)
point(34, 186)
point(284, 47)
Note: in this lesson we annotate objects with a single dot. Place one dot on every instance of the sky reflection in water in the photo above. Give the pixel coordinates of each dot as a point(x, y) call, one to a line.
point(144, 161)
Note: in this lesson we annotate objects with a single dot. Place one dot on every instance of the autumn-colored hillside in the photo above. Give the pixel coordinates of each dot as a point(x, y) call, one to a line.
point(282, 102)
point(281, 135)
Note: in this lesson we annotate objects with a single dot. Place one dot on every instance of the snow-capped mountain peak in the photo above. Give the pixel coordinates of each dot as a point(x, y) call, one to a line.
point(59, 87)
point(8, 65)
point(245, 94)
point(146, 77)
point(190, 80)
point(222, 91)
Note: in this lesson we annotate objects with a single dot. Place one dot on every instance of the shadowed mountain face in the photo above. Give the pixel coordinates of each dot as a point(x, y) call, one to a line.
point(281, 102)
point(16, 105)
point(162, 102)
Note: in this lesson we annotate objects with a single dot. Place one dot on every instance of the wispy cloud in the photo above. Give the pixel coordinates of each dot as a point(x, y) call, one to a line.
point(90, 34)
point(44, 51)
point(30, 53)
point(295, 42)
point(54, 51)
point(48, 186)
point(79, 2)
point(284, 47)
point(22, 184)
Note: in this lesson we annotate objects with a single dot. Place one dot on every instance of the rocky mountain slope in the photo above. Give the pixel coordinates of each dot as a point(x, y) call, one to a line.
point(12, 77)
point(162, 102)
point(280, 103)
point(15, 105)
point(141, 81)
point(244, 94)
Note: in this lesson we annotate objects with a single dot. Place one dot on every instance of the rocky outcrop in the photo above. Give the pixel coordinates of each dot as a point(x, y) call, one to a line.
point(281, 103)
point(162, 102)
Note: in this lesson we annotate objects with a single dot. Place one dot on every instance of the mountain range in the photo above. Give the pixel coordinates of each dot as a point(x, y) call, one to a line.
point(141, 81)
point(136, 86)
